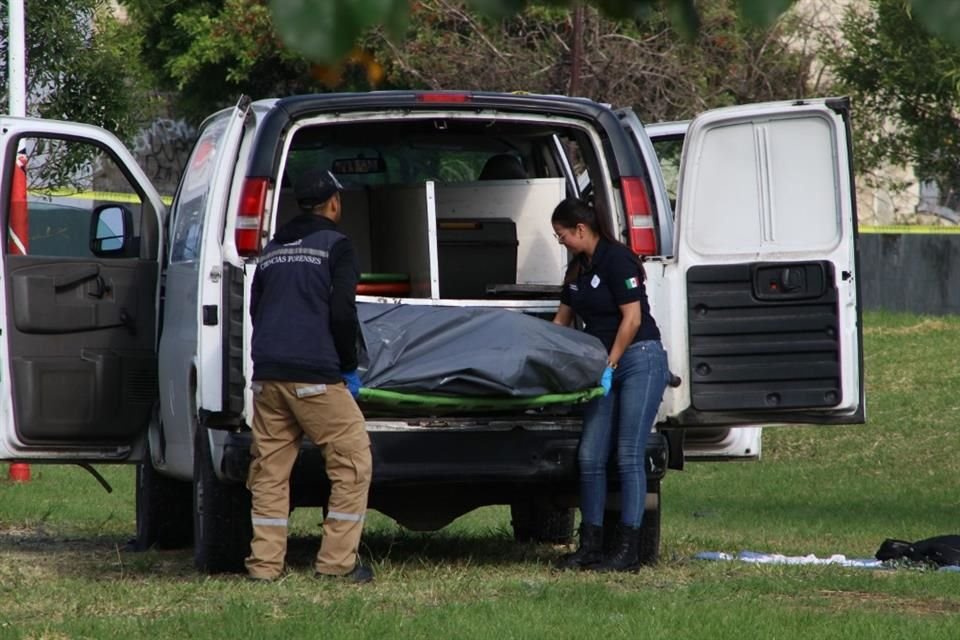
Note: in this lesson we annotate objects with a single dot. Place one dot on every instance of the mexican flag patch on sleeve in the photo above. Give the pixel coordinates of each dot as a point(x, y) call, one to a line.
point(632, 283)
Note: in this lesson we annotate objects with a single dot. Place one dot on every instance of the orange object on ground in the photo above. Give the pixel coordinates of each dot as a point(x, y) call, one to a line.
point(19, 472)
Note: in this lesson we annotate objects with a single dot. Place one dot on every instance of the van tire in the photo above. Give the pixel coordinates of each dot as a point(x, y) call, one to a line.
point(539, 520)
point(164, 510)
point(221, 515)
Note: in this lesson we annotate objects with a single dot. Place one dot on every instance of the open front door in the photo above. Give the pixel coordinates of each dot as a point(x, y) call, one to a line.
point(767, 262)
point(79, 288)
point(191, 343)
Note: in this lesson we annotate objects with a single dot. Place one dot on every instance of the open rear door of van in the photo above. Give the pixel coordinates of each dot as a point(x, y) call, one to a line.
point(79, 294)
point(663, 143)
point(767, 286)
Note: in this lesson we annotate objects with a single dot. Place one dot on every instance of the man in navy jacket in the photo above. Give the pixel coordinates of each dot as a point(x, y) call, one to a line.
point(305, 327)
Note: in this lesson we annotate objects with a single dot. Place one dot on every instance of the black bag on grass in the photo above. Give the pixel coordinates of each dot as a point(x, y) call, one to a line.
point(939, 550)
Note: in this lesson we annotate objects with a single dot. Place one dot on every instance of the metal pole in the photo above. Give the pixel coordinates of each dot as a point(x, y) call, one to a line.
point(17, 83)
point(17, 59)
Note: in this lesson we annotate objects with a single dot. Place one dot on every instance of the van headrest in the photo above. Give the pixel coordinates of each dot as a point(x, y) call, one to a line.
point(503, 166)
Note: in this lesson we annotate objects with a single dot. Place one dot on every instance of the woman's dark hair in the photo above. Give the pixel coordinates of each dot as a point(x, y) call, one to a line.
point(573, 211)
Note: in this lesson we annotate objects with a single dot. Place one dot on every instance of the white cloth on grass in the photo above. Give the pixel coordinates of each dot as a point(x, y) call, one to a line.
point(776, 558)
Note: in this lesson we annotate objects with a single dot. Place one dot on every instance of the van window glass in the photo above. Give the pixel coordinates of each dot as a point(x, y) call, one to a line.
point(190, 205)
point(668, 153)
point(374, 154)
point(495, 181)
point(56, 188)
point(771, 184)
point(363, 166)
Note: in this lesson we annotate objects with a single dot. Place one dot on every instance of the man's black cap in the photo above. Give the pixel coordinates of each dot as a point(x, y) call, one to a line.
point(314, 187)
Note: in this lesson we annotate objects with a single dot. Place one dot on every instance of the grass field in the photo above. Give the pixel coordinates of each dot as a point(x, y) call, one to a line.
point(64, 572)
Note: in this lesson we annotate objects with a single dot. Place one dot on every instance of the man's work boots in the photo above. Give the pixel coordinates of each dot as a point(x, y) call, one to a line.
point(590, 551)
point(360, 574)
point(263, 578)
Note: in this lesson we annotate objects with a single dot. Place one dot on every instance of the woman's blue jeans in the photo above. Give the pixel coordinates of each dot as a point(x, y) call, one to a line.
point(624, 416)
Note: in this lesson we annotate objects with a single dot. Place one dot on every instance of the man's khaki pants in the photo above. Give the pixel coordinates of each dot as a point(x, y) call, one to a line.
point(328, 415)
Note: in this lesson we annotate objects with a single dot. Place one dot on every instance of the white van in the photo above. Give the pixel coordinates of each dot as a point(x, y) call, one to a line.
point(126, 332)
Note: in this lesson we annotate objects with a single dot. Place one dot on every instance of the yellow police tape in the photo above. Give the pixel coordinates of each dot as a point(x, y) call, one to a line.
point(909, 228)
point(102, 196)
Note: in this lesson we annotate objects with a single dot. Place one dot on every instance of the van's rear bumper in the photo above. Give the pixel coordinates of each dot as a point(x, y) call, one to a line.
point(519, 458)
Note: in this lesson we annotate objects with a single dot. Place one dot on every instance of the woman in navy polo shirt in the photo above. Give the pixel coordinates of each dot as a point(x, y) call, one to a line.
point(604, 288)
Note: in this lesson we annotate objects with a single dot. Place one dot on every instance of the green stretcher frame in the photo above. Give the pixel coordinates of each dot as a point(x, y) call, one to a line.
point(380, 278)
point(474, 403)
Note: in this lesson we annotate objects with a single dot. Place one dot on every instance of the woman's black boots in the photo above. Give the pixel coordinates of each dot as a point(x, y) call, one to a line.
point(590, 551)
point(625, 553)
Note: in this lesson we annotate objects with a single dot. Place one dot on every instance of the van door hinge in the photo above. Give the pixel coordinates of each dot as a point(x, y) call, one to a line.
point(215, 275)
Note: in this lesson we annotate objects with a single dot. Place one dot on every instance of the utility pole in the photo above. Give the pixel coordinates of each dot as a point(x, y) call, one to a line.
point(17, 83)
point(17, 59)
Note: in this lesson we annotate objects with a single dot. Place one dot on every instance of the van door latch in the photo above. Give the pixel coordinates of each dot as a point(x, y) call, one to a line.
point(128, 321)
point(789, 281)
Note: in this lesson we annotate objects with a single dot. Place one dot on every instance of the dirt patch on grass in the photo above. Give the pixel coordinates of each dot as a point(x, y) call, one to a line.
point(928, 325)
point(37, 555)
point(846, 600)
point(31, 555)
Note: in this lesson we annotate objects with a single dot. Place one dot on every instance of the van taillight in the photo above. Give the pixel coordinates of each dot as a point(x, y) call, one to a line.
point(444, 96)
point(643, 238)
point(253, 198)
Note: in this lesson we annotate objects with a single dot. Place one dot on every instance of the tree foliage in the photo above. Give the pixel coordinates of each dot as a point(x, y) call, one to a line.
point(325, 30)
point(638, 62)
point(209, 51)
point(204, 53)
point(905, 83)
point(82, 64)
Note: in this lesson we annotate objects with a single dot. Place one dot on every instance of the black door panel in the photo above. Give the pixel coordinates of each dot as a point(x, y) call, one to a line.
point(82, 356)
point(67, 297)
point(754, 320)
point(763, 337)
point(105, 396)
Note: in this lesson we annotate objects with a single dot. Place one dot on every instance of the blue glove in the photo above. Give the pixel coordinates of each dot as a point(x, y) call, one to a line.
point(606, 380)
point(352, 380)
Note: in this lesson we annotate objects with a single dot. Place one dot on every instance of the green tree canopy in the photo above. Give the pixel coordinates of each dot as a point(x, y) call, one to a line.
point(325, 30)
point(639, 62)
point(82, 64)
point(204, 53)
point(208, 51)
point(905, 83)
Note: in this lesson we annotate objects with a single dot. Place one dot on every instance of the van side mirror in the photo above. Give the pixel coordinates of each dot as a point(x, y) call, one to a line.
point(111, 228)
